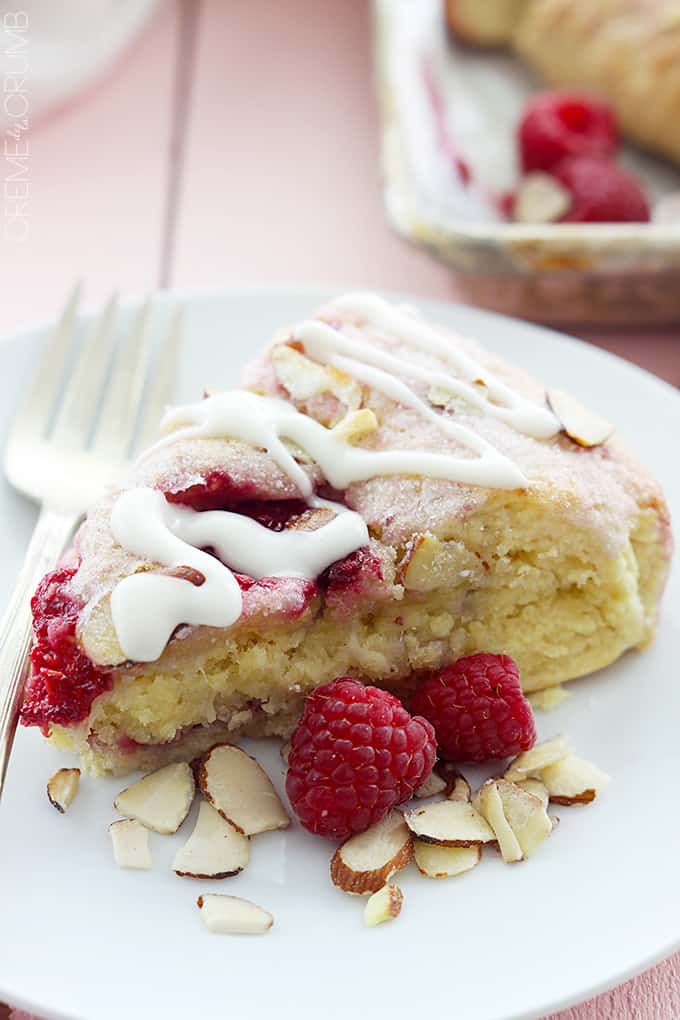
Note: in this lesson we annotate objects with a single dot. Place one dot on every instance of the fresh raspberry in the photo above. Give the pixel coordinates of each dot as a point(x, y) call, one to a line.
point(477, 709)
point(355, 753)
point(601, 192)
point(560, 124)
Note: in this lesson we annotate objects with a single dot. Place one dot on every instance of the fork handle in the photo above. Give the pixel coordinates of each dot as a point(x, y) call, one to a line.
point(51, 533)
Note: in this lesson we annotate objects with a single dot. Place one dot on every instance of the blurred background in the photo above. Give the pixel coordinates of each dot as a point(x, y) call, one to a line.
point(206, 143)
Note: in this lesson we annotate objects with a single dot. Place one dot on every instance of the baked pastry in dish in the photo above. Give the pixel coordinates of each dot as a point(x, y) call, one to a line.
point(378, 499)
point(628, 51)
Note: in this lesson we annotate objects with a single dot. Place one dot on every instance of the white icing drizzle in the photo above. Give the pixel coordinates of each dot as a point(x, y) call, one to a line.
point(147, 607)
point(396, 321)
point(264, 421)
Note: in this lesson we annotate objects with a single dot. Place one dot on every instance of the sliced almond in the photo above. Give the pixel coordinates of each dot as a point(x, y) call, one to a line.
point(364, 863)
point(383, 905)
point(130, 844)
point(241, 790)
point(580, 424)
point(449, 823)
point(310, 520)
point(445, 861)
point(526, 815)
point(540, 198)
point(356, 425)
point(214, 850)
point(531, 763)
point(62, 788)
point(231, 915)
point(549, 699)
point(572, 780)
point(491, 806)
point(459, 789)
point(160, 801)
point(433, 785)
point(536, 788)
point(302, 377)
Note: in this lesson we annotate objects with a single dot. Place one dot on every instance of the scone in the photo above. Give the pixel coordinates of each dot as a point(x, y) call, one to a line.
point(628, 51)
point(379, 499)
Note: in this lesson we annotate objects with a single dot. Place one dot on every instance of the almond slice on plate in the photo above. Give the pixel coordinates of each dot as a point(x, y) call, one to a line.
point(231, 915)
point(490, 804)
point(518, 819)
point(572, 780)
point(580, 424)
point(130, 844)
point(241, 790)
point(383, 905)
point(160, 801)
point(433, 785)
point(215, 848)
point(460, 790)
point(536, 788)
point(449, 823)
point(530, 764)
point(365, 862)
point(445, 861)
point(62, 788)
point(526, 815)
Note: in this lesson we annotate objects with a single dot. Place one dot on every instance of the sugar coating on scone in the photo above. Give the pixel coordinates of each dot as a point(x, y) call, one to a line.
point(564, 573)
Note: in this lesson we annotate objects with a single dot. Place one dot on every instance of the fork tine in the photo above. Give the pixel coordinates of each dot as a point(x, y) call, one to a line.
point(83, 393)
point(38, 404)
point(119, 412)
point(162, 383)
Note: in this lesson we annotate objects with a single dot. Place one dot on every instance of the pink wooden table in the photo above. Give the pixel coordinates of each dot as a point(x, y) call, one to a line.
point(236, 144)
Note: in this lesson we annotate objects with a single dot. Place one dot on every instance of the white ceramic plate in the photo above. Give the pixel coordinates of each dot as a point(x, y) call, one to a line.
point(600, 901)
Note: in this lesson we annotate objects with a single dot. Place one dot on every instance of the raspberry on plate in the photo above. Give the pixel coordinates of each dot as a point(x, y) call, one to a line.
point(477, 709)
point(355, 753)
point(560, 124)
point(601, 192)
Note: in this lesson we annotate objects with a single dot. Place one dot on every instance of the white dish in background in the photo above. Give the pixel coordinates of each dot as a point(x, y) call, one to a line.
point(439, 100)
point(600, 900)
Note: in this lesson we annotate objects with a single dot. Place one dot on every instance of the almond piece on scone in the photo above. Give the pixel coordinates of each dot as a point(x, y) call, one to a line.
point(449, 823)
point(241, 790)
point(365, 862)
point(383, 905)
point(215, 848)
point(62, 788)
point(231, 915)
point(160, 801)
point(130, 844)
point(580, 424)
point(530, 764)
point(445, 861)
point(433, 785)
point(572, 780)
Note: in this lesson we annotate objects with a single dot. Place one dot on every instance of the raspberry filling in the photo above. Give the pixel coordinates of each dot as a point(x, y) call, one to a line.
point(63, 682)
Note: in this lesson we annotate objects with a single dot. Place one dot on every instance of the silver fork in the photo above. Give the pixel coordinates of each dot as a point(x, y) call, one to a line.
point(69, 440)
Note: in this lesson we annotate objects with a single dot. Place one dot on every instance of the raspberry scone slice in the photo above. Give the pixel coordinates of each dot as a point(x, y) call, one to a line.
point(379, 499)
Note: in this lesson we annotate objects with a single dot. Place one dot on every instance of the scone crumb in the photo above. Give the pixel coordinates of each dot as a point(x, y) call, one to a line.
point(549, 699)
